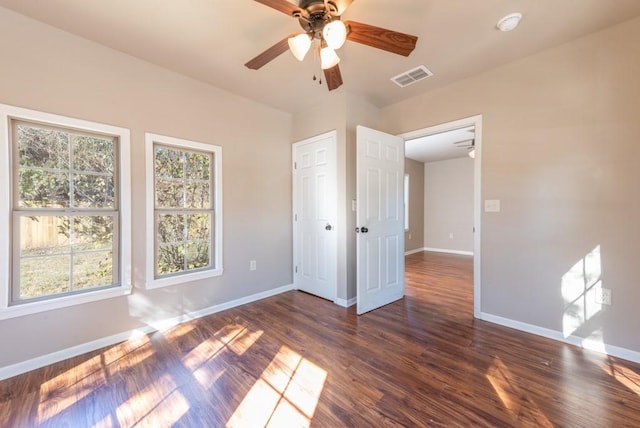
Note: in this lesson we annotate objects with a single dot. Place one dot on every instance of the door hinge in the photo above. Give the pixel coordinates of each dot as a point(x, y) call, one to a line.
point(295, 165)
point(296, 269)
point(295, 217)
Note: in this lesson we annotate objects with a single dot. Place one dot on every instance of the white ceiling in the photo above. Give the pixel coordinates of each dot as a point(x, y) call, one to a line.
point(211, 40)
point(441, 146)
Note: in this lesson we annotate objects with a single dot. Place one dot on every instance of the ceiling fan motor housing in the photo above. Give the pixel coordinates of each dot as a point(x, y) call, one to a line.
point(331, 6)
point(315, 14)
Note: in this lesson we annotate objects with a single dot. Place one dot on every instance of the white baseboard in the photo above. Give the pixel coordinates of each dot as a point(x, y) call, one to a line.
point(346, 303)
point(443, 250)
point(54, 357)
point(590, 344)
point(417, 250)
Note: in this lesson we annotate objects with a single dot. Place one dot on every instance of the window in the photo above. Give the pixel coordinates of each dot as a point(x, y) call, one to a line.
point(66, 212)
point(406, 202)
point(184, 212)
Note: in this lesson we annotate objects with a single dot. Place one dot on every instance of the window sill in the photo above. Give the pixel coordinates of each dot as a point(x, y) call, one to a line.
point(62, 302)
point(181, 279)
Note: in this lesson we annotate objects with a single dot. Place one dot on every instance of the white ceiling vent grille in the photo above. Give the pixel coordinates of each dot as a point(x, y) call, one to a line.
point(412, 76)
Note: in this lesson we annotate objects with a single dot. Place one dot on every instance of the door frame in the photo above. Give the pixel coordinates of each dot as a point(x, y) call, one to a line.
point(475, 121)
point(333, 135)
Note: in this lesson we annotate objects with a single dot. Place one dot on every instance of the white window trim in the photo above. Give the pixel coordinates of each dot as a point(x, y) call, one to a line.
point(151, 281)
point(10, 112)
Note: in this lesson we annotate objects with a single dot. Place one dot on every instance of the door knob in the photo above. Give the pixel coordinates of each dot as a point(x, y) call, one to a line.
point(364, 229)
point(328, 227)
point(357, 230)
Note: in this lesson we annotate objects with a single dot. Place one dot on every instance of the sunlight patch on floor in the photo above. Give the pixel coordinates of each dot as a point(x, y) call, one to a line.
point(202, 353)
point(627, 377)
point(234, 337)
point(178, 331)
point(68, 388)
point(286, 394)
point(64, 390)
point(127, 355)
point(160, 401)
point(519, 405)
point(207, 376)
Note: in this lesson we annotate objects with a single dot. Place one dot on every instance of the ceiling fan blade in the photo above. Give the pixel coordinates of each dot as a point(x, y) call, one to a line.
point(333, 77)
point(341, 5)
point(468, 140)
point(281, 5)
point(381, 38)
point(270, 54)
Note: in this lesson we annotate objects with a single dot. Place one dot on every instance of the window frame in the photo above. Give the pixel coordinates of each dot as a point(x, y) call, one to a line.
point(151, 281)
point(8, 187)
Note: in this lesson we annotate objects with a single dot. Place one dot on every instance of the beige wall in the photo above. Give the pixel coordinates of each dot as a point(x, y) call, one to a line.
point(448, 205)
point(414, 237)
point(559, 149)
point(52, 71)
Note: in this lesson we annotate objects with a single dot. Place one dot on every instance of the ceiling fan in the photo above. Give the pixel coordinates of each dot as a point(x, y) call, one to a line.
point(469, 145)
point(320, 20)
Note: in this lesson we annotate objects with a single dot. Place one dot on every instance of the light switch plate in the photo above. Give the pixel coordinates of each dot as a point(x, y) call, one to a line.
point(492, 205)
point(354, 205)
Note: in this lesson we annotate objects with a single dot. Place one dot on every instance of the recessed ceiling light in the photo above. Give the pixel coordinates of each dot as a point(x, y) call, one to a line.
point(509, 22)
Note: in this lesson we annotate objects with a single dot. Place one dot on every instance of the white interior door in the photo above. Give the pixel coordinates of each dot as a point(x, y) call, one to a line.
point(314, 216)
point(380, 219)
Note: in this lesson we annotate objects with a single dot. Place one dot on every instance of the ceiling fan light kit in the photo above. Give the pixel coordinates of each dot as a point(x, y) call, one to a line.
point(328, 58)
point(299, 45)
point(335, 34)
point(320, 20)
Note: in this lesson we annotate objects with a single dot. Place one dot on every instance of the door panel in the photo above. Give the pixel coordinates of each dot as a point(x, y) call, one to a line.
point(314, 193)
point(380, 243)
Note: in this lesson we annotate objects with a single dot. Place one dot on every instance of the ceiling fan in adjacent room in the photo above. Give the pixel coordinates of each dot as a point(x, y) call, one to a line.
point(321, 22)
point(469, 145)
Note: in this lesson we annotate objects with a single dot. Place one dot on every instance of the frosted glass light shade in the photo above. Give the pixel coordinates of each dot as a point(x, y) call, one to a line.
point(328, 58)
point(299, 45)
point(335, 34)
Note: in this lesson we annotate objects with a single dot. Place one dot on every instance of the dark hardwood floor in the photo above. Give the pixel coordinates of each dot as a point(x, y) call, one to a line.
point(297, 360)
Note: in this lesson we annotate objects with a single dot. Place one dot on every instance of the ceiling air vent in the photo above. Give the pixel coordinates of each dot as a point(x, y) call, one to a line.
point(411, 76)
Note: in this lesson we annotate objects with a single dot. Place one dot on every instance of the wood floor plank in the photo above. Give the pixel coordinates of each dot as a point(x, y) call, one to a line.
point(295, 359)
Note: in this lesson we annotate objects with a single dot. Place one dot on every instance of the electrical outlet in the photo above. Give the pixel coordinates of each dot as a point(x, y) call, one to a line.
point(252, 265)
point(603, 295)
point(409, 236)
point(492, 206)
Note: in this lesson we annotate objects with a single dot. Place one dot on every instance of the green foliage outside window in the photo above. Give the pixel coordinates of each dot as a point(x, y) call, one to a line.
point(66, 199)
point(183, 193)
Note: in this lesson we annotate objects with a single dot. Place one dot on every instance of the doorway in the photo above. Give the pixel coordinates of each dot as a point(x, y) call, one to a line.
point(474, 143)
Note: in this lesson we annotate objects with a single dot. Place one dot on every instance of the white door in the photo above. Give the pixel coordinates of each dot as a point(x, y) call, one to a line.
point(314, 216)
point(380, 219)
